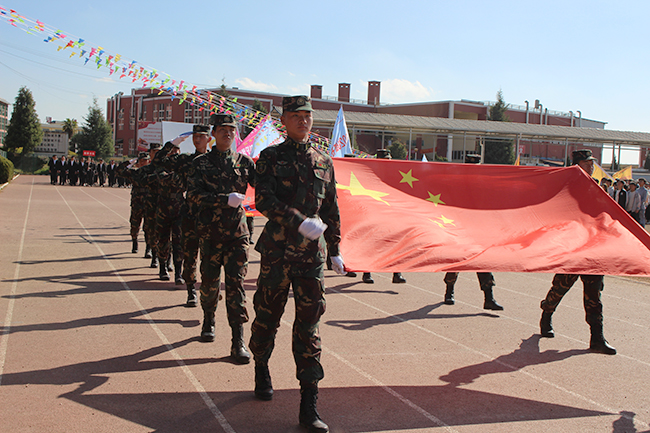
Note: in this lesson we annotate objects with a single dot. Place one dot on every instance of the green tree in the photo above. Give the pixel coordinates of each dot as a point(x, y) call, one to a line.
point(499, 151)
point(69, 127)
point(96, 133)
point(398, 150)
point(24, 132)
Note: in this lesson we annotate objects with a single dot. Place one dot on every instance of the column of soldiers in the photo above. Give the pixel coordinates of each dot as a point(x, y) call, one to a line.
point(295, 189)
point(84, 172)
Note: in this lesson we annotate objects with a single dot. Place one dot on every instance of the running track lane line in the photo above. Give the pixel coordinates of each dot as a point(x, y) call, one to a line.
point(4, 338)
point(179, 360)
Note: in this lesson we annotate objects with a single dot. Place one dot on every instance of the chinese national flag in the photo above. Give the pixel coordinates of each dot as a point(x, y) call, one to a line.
point(409, 216)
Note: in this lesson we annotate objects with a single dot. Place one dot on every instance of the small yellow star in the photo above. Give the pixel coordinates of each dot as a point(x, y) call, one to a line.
point(446, 220)
point(408, 178)
point(435, 199)
point(356, 188)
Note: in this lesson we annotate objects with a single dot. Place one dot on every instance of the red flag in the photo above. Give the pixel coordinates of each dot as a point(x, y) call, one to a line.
point(410, 216)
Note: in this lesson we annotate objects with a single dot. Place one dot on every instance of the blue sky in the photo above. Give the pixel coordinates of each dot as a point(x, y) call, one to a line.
point(571, 55)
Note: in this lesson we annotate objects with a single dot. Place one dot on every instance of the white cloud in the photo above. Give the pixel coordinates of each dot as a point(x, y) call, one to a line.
point(398, 91)
point(248, 84)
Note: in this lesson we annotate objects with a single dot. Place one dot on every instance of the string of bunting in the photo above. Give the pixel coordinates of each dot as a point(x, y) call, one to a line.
point(129, 69)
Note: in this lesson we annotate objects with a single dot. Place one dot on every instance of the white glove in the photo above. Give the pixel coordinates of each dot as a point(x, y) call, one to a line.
point(338, 265)
point(235, 199)
point(312, 228)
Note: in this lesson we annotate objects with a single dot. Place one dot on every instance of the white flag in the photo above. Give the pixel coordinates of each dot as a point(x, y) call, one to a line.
point(424, 158)
point(340, 142)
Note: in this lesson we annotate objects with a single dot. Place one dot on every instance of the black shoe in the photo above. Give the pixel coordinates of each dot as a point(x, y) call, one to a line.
point(169, 264)
point(449, 295)
point(163, 273)
point(154, 262)
point(398, 278)
point(192, 301)
point(309, 417)
point(238, 349)
point(367, 278)
point(546, 325)
point(351, 274)
point(600, 345)
point(134, 248)
point(178, 270)
point(207, 331)
point(491, 304)
point(147, 252)
point(263, 385)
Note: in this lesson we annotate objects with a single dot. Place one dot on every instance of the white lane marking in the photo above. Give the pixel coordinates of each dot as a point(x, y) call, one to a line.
point(107, 207)
point(179, 360)
point(491, 359)
point(4, 337)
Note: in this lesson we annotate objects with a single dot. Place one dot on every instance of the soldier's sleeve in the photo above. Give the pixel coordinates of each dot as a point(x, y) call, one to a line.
point(266, 200)
point(329, 213)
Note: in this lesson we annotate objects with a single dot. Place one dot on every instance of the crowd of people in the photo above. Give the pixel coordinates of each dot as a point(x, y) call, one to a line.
point(84, 172)
point(631, 195)
point(190, 206)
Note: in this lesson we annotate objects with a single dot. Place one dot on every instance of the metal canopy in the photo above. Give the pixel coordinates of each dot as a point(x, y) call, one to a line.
point(397, 122)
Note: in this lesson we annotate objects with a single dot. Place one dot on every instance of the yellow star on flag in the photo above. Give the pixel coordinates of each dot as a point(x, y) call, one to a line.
point(444, 220)
point(435, 199)
point(408, 178)
point(356, 188)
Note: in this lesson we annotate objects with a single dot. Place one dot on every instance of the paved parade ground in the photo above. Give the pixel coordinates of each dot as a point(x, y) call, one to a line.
point(92, 341)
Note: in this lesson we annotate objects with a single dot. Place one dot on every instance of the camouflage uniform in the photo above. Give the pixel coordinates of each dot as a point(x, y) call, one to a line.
point(294, 181)
point(138, 198)
point(593, 286)
point(222, 228)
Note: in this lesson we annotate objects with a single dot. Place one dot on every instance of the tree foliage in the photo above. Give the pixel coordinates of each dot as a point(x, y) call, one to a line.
point(69, 126)
point(398, 150)
point(24, 132)
point(96, 134)
point(499, 151)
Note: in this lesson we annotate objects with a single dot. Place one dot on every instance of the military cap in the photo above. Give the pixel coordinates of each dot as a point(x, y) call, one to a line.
point(582, 155)
point(383, 154)
point(296, 103)
point(201, 129)
point(143, 155)
point(155, 146)
point(222, 120)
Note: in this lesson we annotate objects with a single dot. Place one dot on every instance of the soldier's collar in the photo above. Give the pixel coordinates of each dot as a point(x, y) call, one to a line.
point(300, 146)
point(220, 154)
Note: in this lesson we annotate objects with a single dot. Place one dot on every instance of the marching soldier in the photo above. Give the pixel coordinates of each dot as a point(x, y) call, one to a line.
point(216, 189)
point(296, 190)
point(138, 196)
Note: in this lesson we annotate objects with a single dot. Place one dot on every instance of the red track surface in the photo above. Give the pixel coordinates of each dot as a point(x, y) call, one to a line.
point(92, 341)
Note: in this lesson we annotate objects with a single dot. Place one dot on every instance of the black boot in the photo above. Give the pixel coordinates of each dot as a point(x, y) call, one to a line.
point(398, 278)
point(163, 273)
point(598, 343)
point(147, 252)
point(490, 303)
point(263, 385)
point(449, 295)
point(154, 259)
point(134, 248)
point(351, 274)
point(238, 349)
point(207, 331)
point(367, 278)
point(169, 264)
point(191, 296)
point(546, 325)
point(309, 417)
point(178, 270)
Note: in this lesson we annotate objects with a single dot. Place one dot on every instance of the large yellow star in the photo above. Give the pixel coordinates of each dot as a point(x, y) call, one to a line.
point(356, 188)
point(408, 178)
point(435, 199)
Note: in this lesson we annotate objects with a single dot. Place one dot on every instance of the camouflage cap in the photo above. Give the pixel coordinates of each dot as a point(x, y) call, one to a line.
point(222, 120)
point(155, 146)
point(383, 154)
point(143, 155)
point(296, 103)
point(582, 155)
point(201, 129)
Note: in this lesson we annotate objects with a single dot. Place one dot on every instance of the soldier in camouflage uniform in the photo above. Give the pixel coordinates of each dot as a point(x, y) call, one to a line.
point(485, 279)
point(296, 191)
point(217, 188)
point(168, 216)
point(593, 286)
point(138, 192)
point(150, 201)
point(189, 235)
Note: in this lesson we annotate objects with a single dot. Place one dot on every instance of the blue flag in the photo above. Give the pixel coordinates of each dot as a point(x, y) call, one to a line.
point(340, 142)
